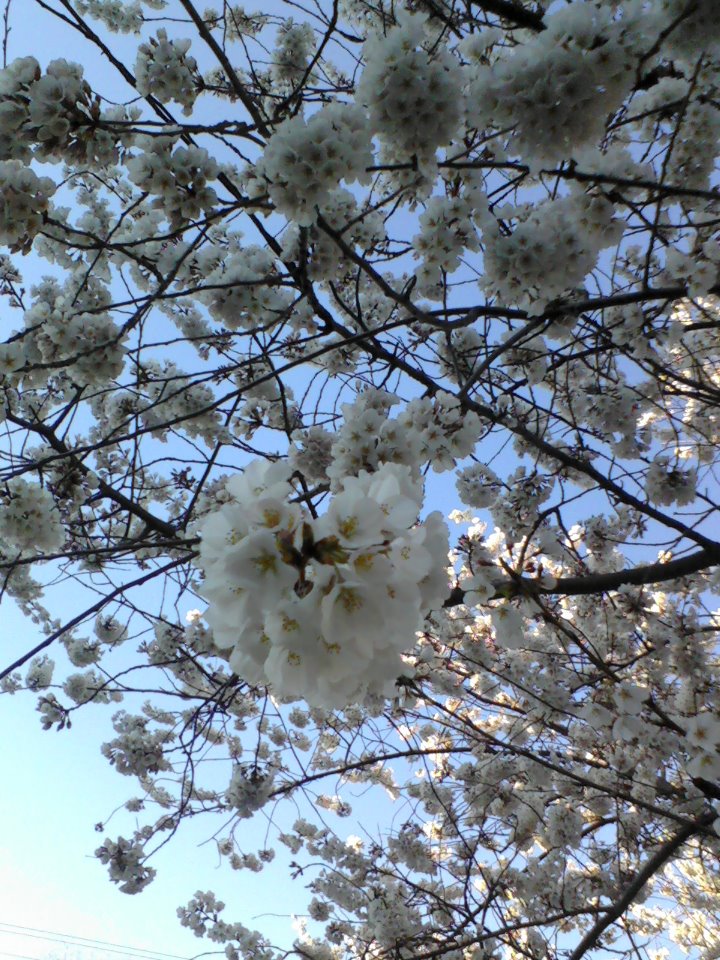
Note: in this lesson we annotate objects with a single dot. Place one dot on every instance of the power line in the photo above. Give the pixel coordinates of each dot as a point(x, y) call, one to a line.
point(72, 939)
point(89, 945)
point(17, 956)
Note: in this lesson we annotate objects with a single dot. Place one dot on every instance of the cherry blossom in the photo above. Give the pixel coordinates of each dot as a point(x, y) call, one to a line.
point(288, 288)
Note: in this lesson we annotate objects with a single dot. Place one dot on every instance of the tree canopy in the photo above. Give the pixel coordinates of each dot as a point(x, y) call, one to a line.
point(360, 381)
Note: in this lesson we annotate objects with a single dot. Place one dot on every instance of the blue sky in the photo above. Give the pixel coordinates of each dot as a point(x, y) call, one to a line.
point(57, 786)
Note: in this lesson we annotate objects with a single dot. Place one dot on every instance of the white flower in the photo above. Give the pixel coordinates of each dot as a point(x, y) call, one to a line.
point(322, 608)
point(705, 765)
point(357, 520)
point(703, 731)
point(256, 564)
point(29, 519)
point(260, 478)
point(24, 200)
point(630, 698)
point(509, 627)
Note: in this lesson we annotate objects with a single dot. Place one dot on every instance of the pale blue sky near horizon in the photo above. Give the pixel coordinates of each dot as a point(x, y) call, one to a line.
point(58, 786)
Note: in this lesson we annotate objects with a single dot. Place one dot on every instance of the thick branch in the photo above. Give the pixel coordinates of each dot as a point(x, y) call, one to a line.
point(599, 582)
point(646, 873)
point(513, 13)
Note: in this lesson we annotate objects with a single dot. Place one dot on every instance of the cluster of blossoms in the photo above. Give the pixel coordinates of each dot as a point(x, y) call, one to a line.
point(243, 286)
point(68, 330)
point(674, 100)
point(53, 116)
point(340, 210)
point(24, 200)
point(458, 352)
point(39, 673)
point(434, 431)
point(120, 16)
point(165, 71)
point(551, 250)
point(202, 916)
point(178, 177)
point(517, 506)
point(239, 23)
point(171, 396)
point(689, 29)
point(322, 608)
point(137, 751)
point(305, 160)
point(82, 652)
point(125, 862)
point(446, 230)
point(294, 45)
point(413, 94)
point(29, 519)
point(666, 483)
point(90, 685)
point(616, 407)
point(249, 789)
point(556, 91)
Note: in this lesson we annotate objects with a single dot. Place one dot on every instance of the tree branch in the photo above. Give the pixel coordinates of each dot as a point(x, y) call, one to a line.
point(599, 582)
point(646, 873)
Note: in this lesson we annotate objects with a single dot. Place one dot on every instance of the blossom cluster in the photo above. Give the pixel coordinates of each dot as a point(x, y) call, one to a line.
point(29, 519)
point(551, 250)
point(413, 94)
point(177, 177)
point(305, 160)
point(322, 608)
point(556, 91)
point(202, 916)
point(120, 16)
point(70, 333)
point(242, 288)
point(689, 30)
point(24, 200)
point(671, 99)
point(249, 789)
point(165, 71)
point(667, 483)
point(435, 431)
point(53, 116)
point(342, 213)
point(125, 862)
point(136, 751)
point(446, 230)
point(171, 395)
point(294, 45)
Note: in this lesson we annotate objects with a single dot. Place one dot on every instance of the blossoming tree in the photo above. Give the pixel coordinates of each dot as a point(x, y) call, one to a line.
point(360, 381)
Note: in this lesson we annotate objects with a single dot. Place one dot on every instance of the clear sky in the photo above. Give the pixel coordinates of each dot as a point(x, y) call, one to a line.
point(56, 787)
